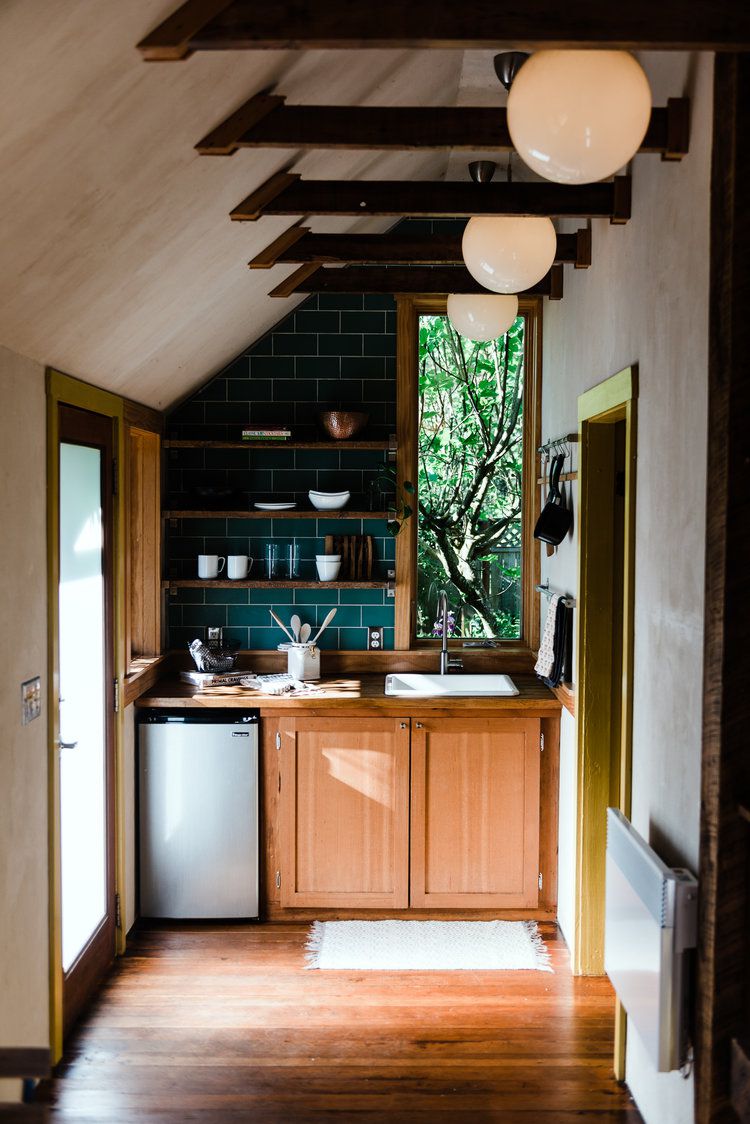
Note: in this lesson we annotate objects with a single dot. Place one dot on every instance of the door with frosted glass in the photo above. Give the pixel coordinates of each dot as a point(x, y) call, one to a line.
point(85, 660)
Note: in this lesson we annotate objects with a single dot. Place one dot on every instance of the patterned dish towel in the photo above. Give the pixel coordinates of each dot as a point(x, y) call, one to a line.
point(546, 658)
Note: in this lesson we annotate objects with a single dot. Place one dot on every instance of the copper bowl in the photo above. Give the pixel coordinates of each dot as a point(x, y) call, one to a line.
point(343, 424)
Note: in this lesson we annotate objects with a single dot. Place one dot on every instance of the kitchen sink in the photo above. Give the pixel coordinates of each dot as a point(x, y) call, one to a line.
point(415, 685)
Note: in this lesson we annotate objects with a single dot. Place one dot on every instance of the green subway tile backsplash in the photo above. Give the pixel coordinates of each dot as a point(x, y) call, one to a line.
point(332, 351)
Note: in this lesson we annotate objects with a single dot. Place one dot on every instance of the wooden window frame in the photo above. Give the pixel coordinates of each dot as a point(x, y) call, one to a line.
point(142, 486)
point(516, 653)
point(143, 626)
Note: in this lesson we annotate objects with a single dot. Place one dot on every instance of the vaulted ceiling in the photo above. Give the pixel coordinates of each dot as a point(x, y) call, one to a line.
point(118, 262)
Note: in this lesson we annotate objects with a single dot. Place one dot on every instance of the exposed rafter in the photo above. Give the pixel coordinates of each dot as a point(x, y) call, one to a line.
point(314, 278)
point(219, 25)
point(300, 245)
point(288, 194)
point(265, 121)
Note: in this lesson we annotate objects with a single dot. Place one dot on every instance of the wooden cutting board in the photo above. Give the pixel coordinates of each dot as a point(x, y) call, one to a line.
point(357, 555)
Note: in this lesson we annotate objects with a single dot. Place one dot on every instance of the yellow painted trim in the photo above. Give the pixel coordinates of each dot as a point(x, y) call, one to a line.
point(62, 389)
point(614, 392)
point(621, 1041)
point(610, 401)
point(53, 776)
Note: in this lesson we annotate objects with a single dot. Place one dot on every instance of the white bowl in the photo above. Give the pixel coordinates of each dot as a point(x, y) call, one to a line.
point(329, 501)
point(328, 566)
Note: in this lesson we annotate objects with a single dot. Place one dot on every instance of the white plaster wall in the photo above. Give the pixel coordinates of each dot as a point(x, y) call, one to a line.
point(645, 302)
point(24, 995)
point(129, 782)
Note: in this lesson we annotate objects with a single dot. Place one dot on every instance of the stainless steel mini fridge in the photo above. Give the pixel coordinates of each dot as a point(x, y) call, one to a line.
point(198, 813)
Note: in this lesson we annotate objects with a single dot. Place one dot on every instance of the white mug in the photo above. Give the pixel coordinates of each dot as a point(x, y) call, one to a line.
point(238, 566)
point(210, 565)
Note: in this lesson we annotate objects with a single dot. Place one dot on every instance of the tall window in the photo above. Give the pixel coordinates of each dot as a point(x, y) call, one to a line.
point(470, 480)
point(470, 448)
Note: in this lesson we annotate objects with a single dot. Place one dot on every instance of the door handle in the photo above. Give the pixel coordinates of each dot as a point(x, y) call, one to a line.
point(67, 745)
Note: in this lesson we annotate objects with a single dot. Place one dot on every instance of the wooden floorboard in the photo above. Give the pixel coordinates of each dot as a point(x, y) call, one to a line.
point(211, 1024)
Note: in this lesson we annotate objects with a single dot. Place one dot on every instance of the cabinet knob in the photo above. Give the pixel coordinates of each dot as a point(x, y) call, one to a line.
point(420, 726)
point(403, 725)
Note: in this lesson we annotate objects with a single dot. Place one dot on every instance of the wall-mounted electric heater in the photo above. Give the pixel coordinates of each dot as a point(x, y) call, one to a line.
point(651, 920)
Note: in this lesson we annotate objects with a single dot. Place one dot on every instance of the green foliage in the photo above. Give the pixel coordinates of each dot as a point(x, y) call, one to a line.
point(470, 476)
point(387, 479)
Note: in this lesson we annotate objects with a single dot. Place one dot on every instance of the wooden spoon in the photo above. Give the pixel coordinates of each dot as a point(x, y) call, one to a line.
point(324, 625)
point(295, 624)
point(282, 626)
point(304, 634)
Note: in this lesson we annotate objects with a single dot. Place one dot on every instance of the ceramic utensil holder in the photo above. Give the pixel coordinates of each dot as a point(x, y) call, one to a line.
point(303, 661)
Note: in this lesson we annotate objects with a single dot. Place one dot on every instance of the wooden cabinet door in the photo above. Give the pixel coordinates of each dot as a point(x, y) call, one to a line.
point(345, 812)
point(475, 813)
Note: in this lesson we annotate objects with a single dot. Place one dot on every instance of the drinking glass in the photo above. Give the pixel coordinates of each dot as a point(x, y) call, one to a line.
point(273, 561)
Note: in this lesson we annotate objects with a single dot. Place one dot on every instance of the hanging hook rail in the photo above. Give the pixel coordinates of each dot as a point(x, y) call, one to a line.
point(566, 599)
point(558, 443)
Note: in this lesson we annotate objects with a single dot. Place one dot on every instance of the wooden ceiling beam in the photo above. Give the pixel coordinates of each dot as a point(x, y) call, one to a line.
point(265, 121)
point(202, 25)
point(288, 194)
point(171, 40)
point(300, 245)
point(313, 278)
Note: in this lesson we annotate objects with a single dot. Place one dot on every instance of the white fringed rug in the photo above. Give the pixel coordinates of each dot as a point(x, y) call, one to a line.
point(419, 946)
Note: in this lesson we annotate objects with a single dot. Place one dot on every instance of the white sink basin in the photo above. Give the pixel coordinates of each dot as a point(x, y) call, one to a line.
point(415, 685)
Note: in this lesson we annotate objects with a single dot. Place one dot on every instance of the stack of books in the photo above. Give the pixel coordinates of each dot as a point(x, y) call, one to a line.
point(266, 433)
point(204, 679)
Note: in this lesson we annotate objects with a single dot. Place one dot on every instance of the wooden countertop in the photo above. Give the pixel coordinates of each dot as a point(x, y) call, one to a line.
point(360, 692)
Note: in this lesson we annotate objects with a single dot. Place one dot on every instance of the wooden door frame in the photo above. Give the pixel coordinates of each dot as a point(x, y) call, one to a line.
point(611, 401)
point(62, 390)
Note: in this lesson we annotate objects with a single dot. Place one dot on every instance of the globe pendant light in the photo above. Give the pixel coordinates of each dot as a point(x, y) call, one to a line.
point(578, 116)
point(481, 317)
point(509, 253)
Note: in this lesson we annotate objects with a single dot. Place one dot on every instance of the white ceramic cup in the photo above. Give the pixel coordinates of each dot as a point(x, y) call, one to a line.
point(328, 566)
point(210, 565)
point(238, 566)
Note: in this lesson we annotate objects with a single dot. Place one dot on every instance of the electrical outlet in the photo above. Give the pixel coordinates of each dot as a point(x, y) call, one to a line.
point(374, 639)
point(31, 700)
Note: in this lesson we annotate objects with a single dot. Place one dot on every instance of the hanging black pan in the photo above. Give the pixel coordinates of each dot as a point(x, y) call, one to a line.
point(555, 520)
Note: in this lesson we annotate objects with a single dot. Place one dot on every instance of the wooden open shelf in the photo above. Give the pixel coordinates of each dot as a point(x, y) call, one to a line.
point(292, 513)
point(339, 446)
point(226, 583)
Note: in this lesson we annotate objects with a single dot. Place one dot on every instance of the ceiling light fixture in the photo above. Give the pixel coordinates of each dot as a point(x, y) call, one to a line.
point(578, 116)
point(507, 253)
point(481, 317)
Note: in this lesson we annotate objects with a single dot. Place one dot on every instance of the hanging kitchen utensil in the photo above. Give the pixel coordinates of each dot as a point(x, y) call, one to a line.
point(555, 520)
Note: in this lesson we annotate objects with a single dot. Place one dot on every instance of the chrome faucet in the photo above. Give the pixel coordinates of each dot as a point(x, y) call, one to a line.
point(447, 662)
